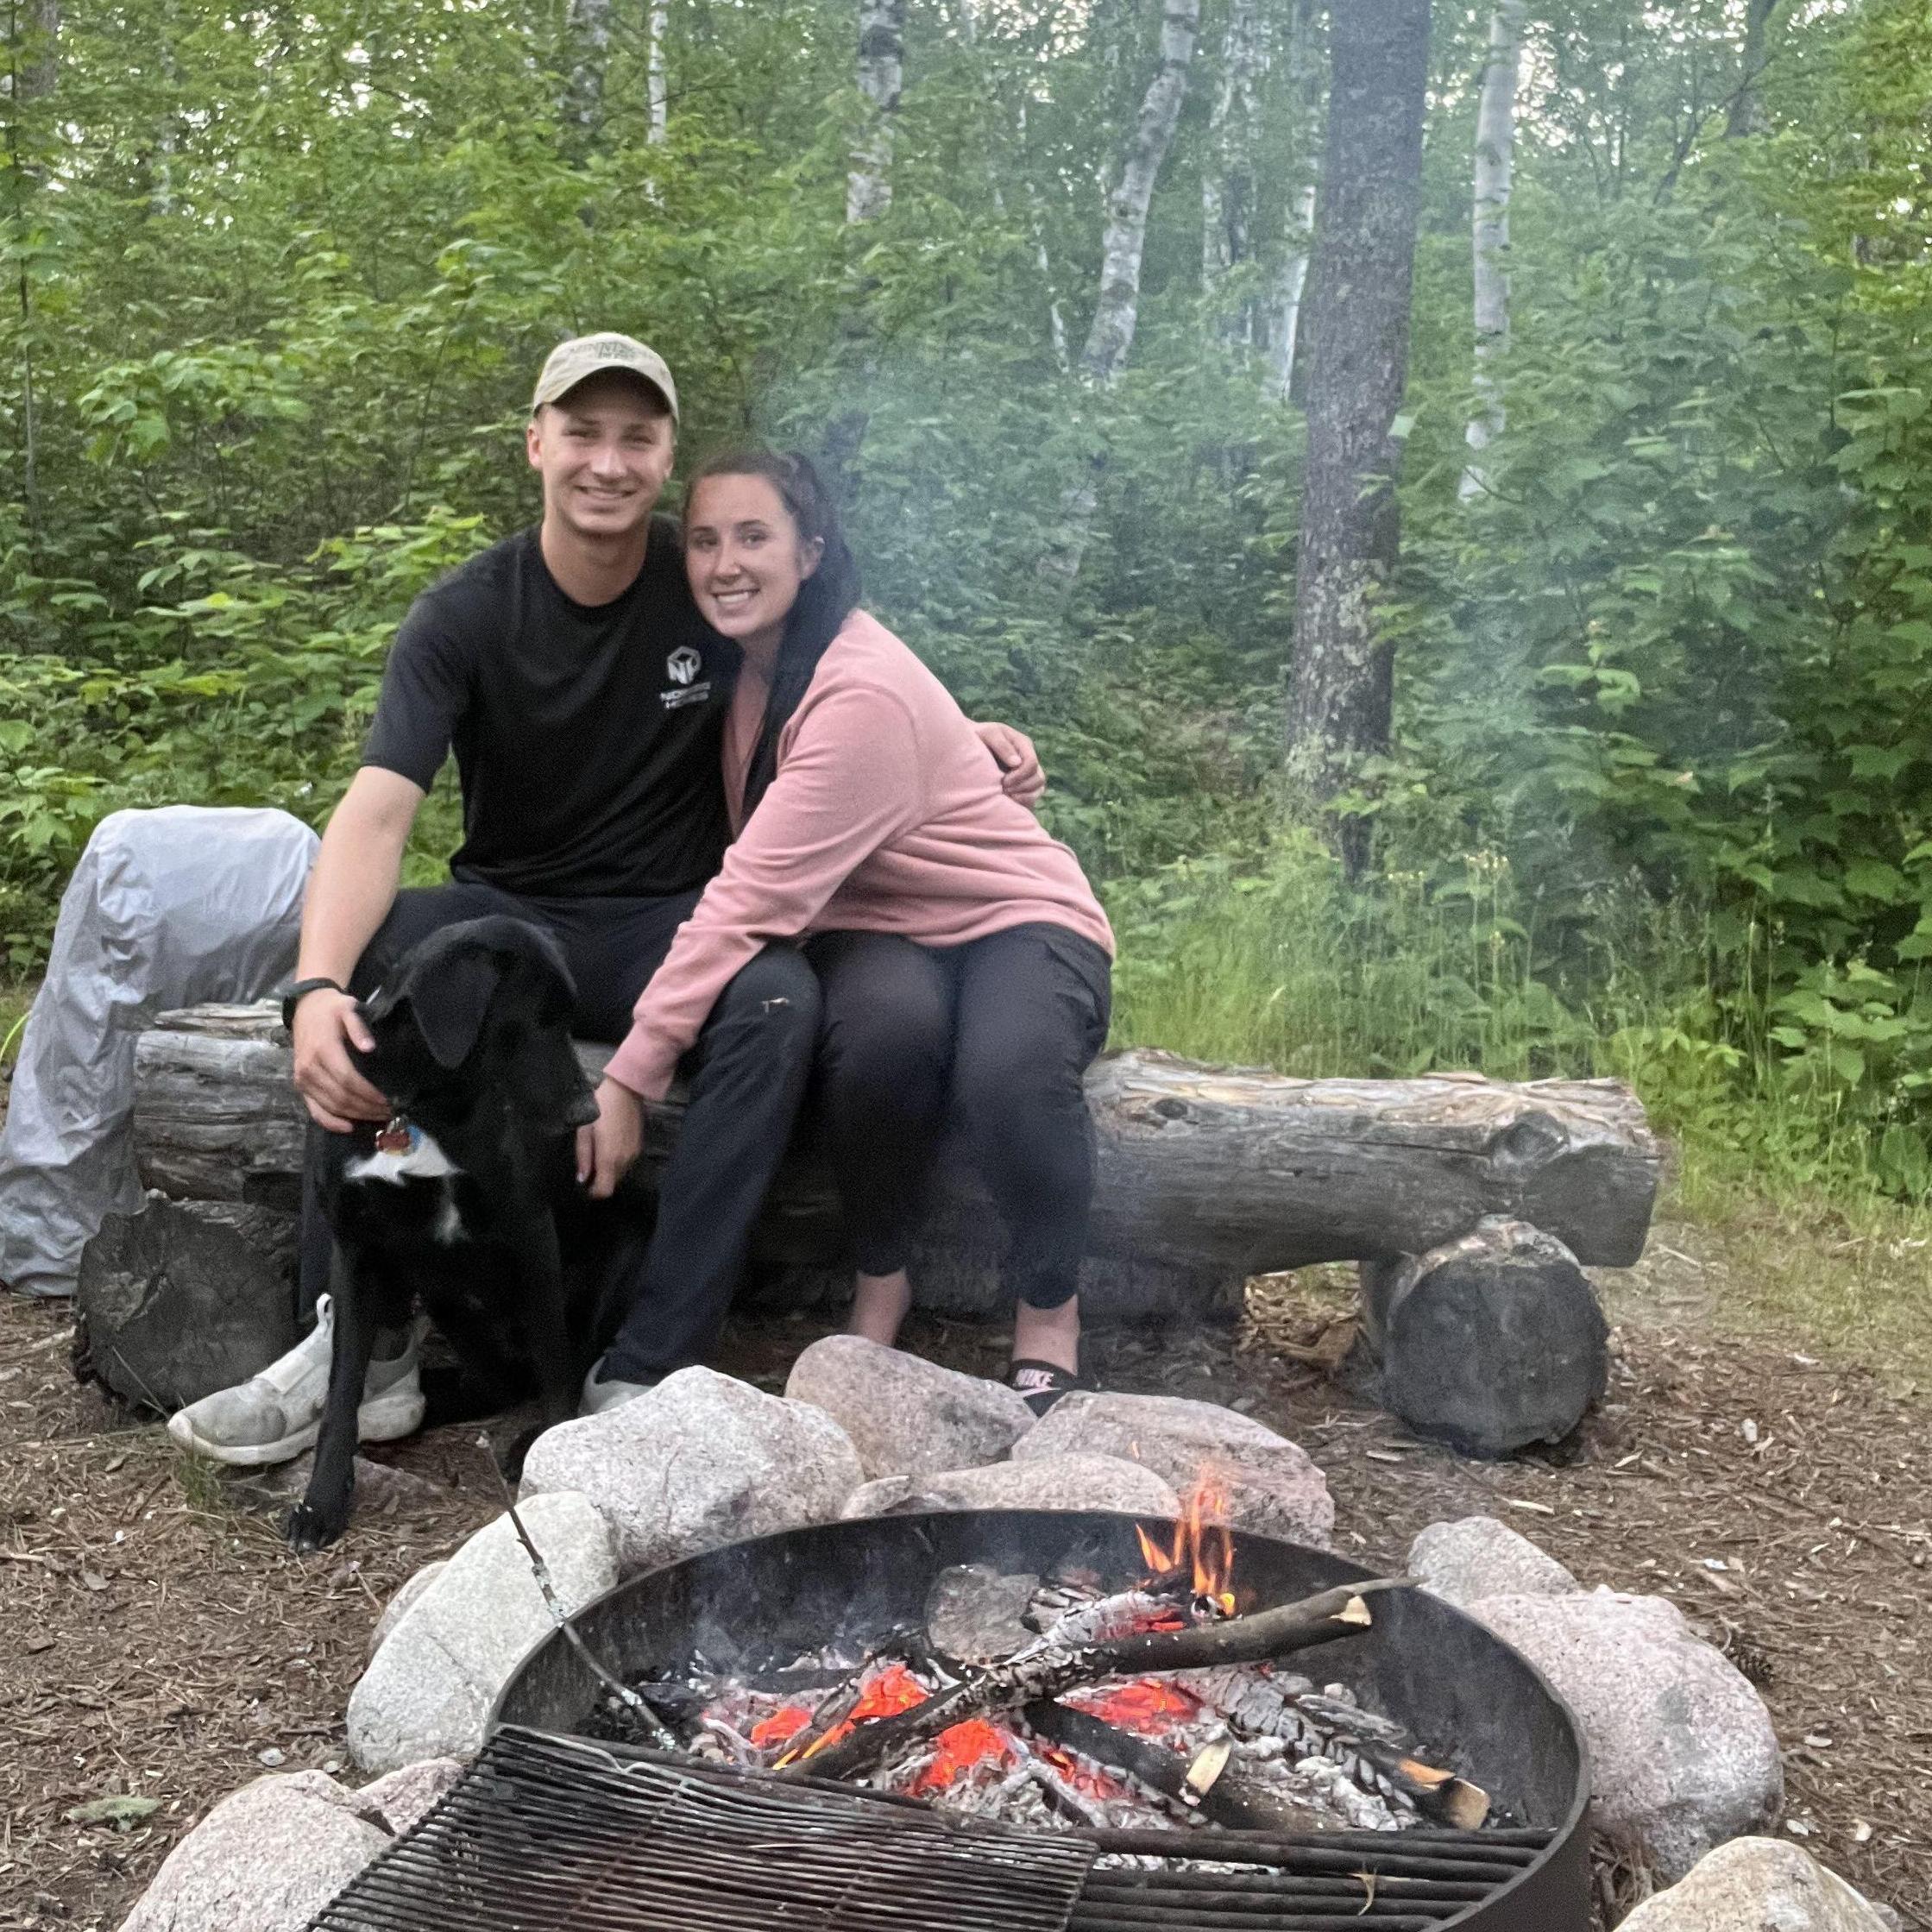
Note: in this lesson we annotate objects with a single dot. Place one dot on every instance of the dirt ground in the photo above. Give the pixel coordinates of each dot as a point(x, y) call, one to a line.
point(157, 1641)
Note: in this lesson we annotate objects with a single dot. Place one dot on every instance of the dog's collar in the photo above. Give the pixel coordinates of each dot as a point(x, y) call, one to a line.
point(398, 1135)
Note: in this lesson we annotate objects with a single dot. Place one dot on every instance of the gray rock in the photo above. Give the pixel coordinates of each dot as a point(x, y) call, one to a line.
point(1478, 1556)
point(907, 1416)
point(187, 1297)
point(267, 1859)
point(1681, 1748)
point(1268, 1482)
point(407, 1593)
point(701, 1461)
point(1045, 1482)
point(428, 1689)
point(1758, 1885)
point(405, 1796)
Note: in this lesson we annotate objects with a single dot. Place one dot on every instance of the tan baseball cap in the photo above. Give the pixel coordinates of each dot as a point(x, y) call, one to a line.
point(583, 357)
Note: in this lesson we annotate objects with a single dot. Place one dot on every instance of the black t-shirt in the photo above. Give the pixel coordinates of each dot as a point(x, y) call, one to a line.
point(586, 738)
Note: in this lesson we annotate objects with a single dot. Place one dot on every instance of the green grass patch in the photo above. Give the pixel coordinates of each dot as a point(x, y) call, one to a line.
point(16, 997)
point(1273, 961)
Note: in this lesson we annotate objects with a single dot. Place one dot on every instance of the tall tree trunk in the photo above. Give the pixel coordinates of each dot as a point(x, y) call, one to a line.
point(1495, 144)
point(1117, 312)
point(1748, 106)
point(40, 76)
point(1228, 170)
point(1358, 302)
point(882, 34)
point(29, 79)
point(1284, 324)
point(657, 27)
point(588, 26)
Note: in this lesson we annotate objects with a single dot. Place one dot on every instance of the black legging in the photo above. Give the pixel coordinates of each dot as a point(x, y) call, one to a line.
point(1000, 1028)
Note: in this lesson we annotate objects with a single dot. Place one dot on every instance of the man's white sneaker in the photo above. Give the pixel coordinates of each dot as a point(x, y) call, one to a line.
point(273, 1416)
point(599, 1396)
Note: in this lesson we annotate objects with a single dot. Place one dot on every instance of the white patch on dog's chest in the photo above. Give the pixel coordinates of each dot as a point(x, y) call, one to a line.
point(424, 1160)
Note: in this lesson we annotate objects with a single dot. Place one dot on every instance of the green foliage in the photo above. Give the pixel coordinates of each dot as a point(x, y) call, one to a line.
point(1661, 797)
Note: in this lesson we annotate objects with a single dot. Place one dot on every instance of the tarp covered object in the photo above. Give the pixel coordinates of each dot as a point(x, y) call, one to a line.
point(166, 908)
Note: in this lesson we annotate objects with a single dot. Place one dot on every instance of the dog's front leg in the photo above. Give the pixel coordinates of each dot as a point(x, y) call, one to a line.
point(541, 1311)
point(323, 1513)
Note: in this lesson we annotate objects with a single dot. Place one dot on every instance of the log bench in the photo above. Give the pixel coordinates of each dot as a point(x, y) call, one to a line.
point(1470, 1202)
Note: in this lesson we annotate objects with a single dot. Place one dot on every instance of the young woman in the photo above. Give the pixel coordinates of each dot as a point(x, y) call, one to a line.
point(963, 957)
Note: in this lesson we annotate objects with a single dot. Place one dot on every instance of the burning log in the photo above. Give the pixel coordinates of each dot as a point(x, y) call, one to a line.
point(1206, 1175)
point(1374, 1751)
point(1226, 1797)
point(1048, 1671)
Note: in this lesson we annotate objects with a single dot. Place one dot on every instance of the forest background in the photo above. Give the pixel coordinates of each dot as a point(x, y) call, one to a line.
point(1032, 278)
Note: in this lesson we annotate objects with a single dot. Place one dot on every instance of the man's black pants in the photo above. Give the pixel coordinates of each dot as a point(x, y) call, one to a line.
point(747, 1075)
point(997, 1033)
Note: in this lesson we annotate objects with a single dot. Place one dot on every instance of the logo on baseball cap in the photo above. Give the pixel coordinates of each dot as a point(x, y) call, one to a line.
point(583, 356)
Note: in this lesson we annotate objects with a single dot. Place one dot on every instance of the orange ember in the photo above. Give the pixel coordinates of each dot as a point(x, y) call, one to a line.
point(957, 1751)
point(894, 1690)
point(1146, 1705)
point(1201, 1547)
point(1088, 1782)
point(787, 1722)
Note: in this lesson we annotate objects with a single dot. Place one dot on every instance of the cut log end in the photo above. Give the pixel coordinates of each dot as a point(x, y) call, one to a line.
point(1489, 1342)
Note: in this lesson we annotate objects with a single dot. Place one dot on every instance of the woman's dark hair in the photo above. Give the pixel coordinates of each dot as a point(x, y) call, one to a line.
point(824, 600)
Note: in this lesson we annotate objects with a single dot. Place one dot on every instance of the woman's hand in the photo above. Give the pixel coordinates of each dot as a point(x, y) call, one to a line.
point(607, 1146)
point(1021, 777)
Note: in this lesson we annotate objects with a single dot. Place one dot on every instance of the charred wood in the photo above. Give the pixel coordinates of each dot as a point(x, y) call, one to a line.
point(1049, 1673)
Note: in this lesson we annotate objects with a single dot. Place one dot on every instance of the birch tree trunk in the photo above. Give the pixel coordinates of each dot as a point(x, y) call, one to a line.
point(1358, 304)
point(1228, 175)
point(882, 31)
point(587, 25)
point(1748, 107)
point(1304, 98)
point(1117, 312)
point(1495, 143)
point(656, 26)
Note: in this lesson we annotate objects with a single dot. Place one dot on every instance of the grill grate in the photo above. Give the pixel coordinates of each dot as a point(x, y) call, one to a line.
point(549, 1833)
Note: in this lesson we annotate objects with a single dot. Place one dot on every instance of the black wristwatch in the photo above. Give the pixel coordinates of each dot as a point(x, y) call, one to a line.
point(294, 996)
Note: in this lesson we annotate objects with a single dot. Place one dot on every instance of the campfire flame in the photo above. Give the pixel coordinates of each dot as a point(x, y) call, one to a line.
point(1201, 1547)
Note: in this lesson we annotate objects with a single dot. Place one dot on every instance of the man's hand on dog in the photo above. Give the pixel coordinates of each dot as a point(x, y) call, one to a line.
point(326, 1025)
point(607, 1148)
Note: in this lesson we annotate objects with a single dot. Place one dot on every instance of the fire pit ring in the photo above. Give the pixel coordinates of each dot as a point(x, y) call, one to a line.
point(1474, 1703)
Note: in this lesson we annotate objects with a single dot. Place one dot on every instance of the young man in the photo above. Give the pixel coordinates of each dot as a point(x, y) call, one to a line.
point(568, 668)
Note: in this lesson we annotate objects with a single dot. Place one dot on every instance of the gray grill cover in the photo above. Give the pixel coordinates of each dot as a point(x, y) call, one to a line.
point(166, 908)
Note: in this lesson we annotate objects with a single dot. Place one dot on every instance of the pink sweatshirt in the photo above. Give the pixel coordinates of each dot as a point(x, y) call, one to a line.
point(886, 814)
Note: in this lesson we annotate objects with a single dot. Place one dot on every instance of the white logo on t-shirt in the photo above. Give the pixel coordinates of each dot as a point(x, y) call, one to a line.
point(683, 664)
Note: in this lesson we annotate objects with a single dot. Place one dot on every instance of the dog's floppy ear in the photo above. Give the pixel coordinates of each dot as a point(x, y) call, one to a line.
point(449, 1004)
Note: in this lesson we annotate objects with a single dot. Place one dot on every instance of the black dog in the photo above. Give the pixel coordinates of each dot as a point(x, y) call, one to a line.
point(456, 1202)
